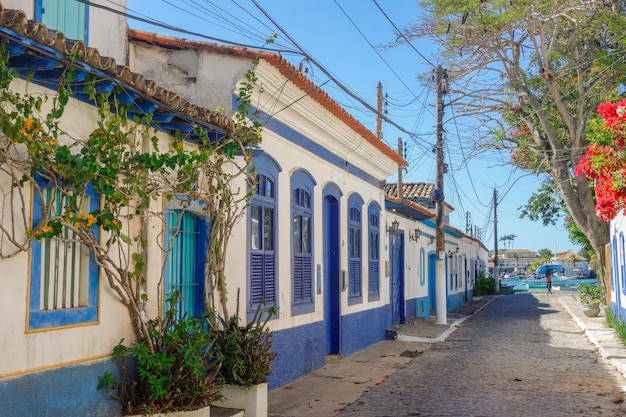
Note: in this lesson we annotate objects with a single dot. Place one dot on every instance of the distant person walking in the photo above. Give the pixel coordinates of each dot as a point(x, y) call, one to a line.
point(549, 280)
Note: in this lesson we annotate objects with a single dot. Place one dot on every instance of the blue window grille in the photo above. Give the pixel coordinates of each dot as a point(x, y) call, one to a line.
point(373, 251)
point(185, 250)
point(64, 279)
point(355, 292)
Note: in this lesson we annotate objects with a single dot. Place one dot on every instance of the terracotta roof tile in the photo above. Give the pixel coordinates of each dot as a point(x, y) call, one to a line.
point(17, 21)
point(420, 192)
point(289, 71)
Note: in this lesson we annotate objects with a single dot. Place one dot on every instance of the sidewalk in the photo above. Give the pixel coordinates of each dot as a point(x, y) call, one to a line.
point(326, 391)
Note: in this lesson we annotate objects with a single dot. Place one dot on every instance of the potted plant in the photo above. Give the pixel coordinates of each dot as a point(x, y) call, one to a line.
point(590, 296)
point(180, 372)
point(244, 353)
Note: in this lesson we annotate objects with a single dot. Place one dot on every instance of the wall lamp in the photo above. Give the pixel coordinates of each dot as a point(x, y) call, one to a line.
point(393, 229)
point(452, 253)
point(415, 236)
point(431, 239)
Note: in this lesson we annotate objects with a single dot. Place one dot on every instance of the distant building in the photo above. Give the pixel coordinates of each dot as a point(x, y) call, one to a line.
point(573, 264)
point(514, 262)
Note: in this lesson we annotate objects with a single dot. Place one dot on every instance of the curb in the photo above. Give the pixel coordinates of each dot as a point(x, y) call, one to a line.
point(443, 336)
point(618, 364)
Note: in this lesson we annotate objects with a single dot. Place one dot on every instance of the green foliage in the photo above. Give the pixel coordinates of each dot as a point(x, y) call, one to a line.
point(244, 351)
point(590, 294)
point(614, 321)
point(177, 373)
point(545, 255)
point(484, 285)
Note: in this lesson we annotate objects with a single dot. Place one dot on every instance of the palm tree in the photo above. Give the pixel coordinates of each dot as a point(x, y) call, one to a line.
point(545, 255)
point(516, 257)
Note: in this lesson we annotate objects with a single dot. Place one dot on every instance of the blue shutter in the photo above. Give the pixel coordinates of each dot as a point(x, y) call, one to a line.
point(373, 276)
point(270, 279)
point(355, 277)
point(256, 287)
point(302, 279)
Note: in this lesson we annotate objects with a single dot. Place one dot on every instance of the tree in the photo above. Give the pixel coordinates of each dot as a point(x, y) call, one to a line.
point(545, 255)
point(528, 76)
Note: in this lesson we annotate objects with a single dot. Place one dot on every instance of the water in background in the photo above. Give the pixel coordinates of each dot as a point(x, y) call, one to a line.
point(558, 283)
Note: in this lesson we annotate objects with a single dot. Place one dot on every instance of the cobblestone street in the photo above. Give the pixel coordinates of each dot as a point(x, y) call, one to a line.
point(522, 355)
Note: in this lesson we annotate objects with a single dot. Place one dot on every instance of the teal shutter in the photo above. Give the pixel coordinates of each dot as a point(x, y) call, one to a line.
point(67, 16)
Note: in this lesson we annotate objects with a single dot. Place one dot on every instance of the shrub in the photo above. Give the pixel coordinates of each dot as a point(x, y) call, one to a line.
point(178, 374)
point(243, 350)
point(484, 285)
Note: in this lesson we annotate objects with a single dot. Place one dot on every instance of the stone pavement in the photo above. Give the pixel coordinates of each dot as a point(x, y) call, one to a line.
point(510, 355)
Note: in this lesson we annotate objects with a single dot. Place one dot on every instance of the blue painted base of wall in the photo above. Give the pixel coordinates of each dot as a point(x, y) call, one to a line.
point(364, 329)
point(69, 391)
point(418, 307)
point(620, 310)
point(302, 350)
point(456, 300)
point(299, 351)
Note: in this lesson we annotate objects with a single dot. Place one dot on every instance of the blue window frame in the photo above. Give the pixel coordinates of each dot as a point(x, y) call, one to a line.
point(68, 16)
point(622, 264)
point(355, 292)
point(302, 242)
point(422, 267)
point(186, 237)
point(373, 252)
point(614, 257)
point(263, 287)
point(64, 278)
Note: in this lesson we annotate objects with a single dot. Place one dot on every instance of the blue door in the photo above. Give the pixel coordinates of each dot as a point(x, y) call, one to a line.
point(396, 280)
point(332, 282)
point(432, 281)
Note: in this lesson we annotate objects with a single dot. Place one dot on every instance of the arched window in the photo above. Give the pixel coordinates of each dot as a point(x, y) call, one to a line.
point(302, 242)
point(355, 291)
point(373, 251)
point(263, 248)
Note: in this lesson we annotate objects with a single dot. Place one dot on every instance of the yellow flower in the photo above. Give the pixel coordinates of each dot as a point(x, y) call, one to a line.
point(81, 215)
point(28, 123)
point(90, 219)
point(47, 229)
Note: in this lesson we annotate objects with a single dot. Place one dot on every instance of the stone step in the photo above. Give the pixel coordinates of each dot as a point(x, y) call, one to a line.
point(226, 412)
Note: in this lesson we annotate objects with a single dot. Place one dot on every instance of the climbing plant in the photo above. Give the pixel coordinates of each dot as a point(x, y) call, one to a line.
point(133, 170)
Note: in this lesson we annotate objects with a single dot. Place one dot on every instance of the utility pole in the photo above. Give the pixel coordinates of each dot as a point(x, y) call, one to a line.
point(379, 111)
point(495, 237)
point(440, 268)
point(400, 190)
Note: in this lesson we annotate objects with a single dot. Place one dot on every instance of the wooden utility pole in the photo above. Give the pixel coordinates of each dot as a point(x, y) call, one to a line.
point(440, 268)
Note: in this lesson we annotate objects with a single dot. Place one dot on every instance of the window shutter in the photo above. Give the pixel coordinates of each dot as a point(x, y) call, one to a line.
point(373, 276)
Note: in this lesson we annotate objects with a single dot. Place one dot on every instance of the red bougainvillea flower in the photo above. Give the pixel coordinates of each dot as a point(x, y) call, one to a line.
point(605, 160)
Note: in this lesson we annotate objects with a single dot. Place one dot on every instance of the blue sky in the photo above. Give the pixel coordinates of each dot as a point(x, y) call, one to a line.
point(344, 36)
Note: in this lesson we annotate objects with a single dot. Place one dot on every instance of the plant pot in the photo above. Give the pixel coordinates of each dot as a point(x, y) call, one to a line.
point(591, 310)
point(252, 400)
point(202, 412)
